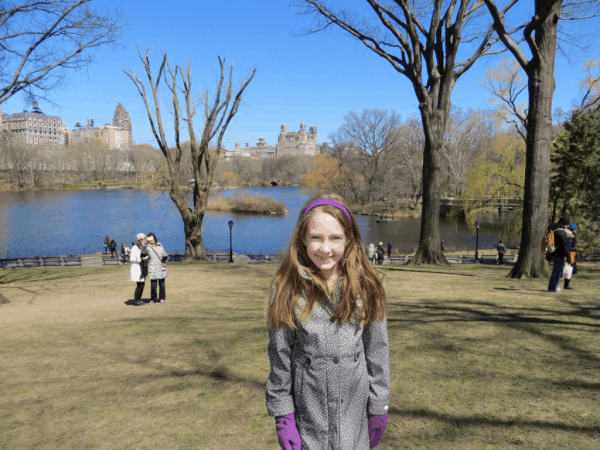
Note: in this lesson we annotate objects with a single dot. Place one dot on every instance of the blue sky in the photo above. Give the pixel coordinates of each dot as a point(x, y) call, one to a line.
point(313, 79)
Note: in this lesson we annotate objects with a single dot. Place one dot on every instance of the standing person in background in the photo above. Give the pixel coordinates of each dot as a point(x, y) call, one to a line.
point(113, 248)
point(560, 254)
point(106, 244)
point(124, 250)
point(501, 251)
point(326, 312)
point(389, 246)
point(371, 253)
point(380, 252)
point(442, 244)
point(137, 270)
point(573, 251)
point(157, 267)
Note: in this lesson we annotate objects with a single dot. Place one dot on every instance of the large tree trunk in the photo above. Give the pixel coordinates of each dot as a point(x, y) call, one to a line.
point(192, 221)
point(430, 247)
point(540, 71)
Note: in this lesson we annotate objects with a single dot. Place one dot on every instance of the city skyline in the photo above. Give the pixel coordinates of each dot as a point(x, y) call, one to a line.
point(316, 78)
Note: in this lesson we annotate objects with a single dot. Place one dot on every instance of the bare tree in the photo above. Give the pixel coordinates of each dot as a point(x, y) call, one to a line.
point(218, 113)
point(373, 133)
point(411, 142)
point(427, 56)
point(42, 40)
point(540, 34)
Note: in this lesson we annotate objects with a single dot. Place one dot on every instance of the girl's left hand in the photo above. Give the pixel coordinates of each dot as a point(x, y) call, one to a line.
point(377, 425)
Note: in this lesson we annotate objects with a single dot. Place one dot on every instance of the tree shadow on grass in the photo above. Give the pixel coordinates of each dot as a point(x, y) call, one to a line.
point(482, 421)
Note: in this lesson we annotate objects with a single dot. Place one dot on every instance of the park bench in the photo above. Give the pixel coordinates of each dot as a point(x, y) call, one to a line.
point(9, 263)
point(261, 259)
point(30, 263)
point(72, 261)
point(176, 258)
point(110, 261)
point(51, 261)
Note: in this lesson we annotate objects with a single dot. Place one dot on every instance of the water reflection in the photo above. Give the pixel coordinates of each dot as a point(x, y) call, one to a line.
point(58, 223)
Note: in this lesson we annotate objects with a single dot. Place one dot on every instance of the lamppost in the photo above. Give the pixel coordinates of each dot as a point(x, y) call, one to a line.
point(477, 224)
point(230, 242)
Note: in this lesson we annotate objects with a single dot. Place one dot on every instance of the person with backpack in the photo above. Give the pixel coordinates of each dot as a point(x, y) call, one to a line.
point(501, 251)
point(560, 255)
point(113, 248)
point(573, 251)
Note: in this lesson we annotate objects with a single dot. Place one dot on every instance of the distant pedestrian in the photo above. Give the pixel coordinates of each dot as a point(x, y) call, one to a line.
point(442, 244)
point(573, 251)
point(157, 267)
point(124, 251)
point(138, 269)
point(501, 251)
point(380, 252)
point(389, 246)
point(559, 255)
point(371, 253)
point(113, 248)
point(106, 244)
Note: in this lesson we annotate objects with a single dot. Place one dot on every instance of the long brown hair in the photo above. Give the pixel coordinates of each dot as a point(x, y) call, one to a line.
point(361, 284)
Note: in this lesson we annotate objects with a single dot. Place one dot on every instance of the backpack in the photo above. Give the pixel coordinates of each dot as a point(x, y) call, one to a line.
point(548, 245)
point(113, 244)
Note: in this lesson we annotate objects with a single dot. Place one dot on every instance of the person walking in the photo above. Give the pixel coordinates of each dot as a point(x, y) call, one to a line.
point(113, 248)
point(157, 267)
point(137, 270)
point(326, 311)
point(389, 246)
point(380, 253)
point(371, 253)
point(442, 244)
point(560, 254)
point(106, 244)
point(573, 252)
point(501, 251)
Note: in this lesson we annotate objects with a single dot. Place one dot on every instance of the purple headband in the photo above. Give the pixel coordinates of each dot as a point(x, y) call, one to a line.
point(328, 202)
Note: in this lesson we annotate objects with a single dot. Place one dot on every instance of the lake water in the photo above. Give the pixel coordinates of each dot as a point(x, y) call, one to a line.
point(48, 223)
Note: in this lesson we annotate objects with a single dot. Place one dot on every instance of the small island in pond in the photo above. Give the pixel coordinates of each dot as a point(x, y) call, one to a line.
point(248, 204)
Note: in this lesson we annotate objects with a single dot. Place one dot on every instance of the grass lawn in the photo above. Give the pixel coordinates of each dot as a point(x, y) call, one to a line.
point(478, 361)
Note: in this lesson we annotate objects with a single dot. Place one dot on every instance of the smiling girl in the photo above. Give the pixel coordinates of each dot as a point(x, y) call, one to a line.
point(326, 309)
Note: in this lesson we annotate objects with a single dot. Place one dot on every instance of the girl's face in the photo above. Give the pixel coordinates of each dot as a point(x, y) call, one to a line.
point(325, 242)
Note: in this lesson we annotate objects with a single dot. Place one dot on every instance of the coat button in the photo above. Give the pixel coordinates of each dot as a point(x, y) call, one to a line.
point(335, 360)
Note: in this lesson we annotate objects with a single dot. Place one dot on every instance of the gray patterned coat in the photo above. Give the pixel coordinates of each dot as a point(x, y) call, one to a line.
point(155, 254)
point(329, 376)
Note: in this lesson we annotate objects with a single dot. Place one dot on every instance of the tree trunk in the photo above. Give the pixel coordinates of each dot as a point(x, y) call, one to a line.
point(540, 71)
point(430, 248)
point(192, 221)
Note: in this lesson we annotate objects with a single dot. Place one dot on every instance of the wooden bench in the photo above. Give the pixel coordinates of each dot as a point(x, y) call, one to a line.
point(72, 261)
point(51, 262)
point(30, 263)
point(110, 261)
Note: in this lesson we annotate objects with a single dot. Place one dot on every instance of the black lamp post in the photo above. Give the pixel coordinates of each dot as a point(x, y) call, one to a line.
point(230, 242)
point(477, 224)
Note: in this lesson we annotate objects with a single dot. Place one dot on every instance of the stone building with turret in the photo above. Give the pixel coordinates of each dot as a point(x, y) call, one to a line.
point(297, 142)
point(122, 120)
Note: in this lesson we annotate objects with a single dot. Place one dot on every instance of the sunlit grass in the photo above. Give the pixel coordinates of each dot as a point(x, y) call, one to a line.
point(478, 360)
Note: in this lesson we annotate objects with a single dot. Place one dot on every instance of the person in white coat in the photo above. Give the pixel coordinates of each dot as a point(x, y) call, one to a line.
point(135, 272)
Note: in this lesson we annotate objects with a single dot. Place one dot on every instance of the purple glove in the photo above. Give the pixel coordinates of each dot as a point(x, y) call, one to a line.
point(287, 432)
point(377, 425)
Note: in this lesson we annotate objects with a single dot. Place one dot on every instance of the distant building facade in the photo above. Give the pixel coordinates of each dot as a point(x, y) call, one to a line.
point(122, 120)
point(297, 142)
point(112, 136)
point(35, 127)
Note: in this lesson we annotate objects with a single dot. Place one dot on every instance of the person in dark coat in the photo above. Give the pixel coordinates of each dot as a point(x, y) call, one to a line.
point(329, 385)
point(113, 249)
point(560, 255)
point(380, 252)
point(573, 250)
point(389, 246)
point(501, 251)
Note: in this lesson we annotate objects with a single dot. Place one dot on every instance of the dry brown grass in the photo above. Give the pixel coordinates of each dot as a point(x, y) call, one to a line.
point(478, 361)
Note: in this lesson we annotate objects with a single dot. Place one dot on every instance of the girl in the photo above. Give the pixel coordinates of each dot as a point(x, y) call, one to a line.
point(135, 272)
point(157, 268)
point(326, 310)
